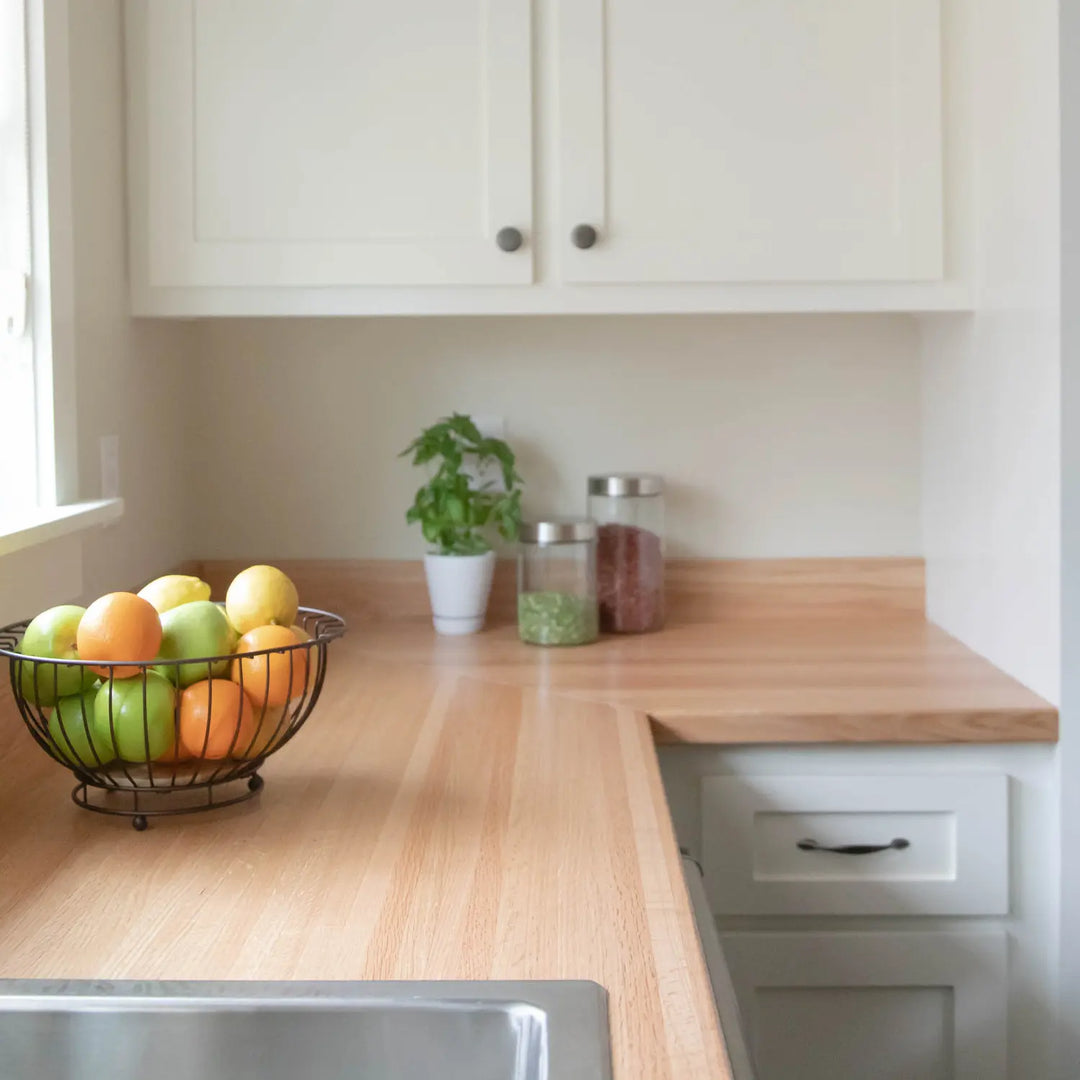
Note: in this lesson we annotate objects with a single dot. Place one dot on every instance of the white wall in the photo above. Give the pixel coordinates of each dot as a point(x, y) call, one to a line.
point(991, 382)
point(130, 379)
point(779, 436)
point(1069, 747)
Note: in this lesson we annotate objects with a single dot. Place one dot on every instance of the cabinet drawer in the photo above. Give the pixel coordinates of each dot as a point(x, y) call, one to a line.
point(950, 853)
point(886, 1006)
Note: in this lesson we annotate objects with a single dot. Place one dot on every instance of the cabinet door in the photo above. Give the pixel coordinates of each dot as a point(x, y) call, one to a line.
point(348, 142)
point(892, 1006)
point(751, 140)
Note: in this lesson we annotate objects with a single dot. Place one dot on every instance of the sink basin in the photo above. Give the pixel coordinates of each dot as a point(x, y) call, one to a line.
point(303, 1030)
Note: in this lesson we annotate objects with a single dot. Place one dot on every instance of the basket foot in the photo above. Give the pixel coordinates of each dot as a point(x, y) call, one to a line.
point(139, 823)
point(255, 782)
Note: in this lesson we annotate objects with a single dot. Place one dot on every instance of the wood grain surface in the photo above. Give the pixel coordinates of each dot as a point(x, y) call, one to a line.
point(478, 808)
point(698, 590)
point(423, 825)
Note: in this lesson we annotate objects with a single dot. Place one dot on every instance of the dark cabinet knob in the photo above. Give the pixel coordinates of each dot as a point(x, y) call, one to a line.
point(583, 236)
point(509, 239)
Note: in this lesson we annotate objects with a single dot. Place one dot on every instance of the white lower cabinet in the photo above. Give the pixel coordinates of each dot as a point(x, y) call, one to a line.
point(873, 1005)
point(883, 913)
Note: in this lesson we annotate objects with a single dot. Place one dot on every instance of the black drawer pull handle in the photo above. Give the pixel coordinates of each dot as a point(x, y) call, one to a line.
point(855, 849)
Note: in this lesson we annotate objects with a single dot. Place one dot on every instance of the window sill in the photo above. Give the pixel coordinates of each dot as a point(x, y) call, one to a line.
point(42, 524)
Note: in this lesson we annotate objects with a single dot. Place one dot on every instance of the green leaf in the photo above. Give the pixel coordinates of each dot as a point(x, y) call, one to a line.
point(456, 509)
point(455, 517)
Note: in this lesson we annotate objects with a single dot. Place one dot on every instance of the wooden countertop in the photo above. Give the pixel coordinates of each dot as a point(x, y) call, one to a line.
point(478, 809)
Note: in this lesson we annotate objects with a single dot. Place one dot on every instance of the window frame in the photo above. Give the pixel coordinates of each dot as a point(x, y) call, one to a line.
point(51, 311)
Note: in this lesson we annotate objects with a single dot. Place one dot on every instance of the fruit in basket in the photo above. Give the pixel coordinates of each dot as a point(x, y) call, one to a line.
point(141, 727)
point(119, 626)
point(216, 719)
point(74, 733)
point(172, 590)
point(198, 628)
point(261, 596)
point(53, 635)
point(175, 754)
point(273, 678)
point(270, 727)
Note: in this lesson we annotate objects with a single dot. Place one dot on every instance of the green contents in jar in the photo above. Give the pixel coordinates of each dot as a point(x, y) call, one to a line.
point(557, 618)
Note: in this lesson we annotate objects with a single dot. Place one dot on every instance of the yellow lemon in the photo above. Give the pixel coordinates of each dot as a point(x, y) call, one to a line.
point(172, 590)
point(261, 596)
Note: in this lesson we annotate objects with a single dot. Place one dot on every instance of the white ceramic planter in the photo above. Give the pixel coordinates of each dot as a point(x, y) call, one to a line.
point(459, 586)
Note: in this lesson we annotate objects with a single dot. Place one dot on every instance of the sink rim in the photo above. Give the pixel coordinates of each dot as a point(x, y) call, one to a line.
point(575, 1010)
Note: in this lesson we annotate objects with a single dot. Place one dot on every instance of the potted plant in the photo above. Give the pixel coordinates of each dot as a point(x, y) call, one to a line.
point(458, 515)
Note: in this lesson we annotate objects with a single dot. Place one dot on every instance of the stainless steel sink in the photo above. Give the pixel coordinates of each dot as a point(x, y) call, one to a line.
point(303, 1031)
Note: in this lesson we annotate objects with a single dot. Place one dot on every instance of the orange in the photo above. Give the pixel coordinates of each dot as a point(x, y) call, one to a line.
point(173, 756)
point(215, 718)
point(176, 753)
point(271, 724)
point(276, 677)
point(119, 626)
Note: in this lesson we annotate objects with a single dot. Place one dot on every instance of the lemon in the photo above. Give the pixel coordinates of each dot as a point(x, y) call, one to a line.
point(172, 590)
point(261, 596)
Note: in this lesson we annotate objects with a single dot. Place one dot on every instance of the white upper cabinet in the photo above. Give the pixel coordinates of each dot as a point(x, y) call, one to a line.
point(365, 157)
point(751, 140)
point(330, 142)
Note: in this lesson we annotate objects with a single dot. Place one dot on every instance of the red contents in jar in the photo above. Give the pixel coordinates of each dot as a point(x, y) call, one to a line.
point(630, 579)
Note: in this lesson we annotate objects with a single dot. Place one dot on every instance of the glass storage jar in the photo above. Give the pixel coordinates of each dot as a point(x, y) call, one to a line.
point(557, 582)
point(629, 512)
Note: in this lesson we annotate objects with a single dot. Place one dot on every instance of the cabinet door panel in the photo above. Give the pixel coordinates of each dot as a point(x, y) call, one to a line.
point(752, 140)
point(893, 1006)
point(905, 1032)
point(285, 143)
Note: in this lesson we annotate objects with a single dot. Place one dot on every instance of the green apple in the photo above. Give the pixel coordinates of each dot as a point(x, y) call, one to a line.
point(198, 628)
point(138, 719)
point(52, 635)
point(75, 734)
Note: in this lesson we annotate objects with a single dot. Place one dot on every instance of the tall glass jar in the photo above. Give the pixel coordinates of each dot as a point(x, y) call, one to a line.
point(629, 510)
point(557, 582)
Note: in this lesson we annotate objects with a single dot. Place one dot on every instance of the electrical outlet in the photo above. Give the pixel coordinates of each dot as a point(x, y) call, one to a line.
point(491, 427)
point(110, 466)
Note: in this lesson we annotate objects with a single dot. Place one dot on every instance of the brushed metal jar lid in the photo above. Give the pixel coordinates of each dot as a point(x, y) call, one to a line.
point(557, 531)
point(619, 485)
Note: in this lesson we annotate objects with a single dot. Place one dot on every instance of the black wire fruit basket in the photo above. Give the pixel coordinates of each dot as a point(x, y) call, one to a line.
point(149, 739)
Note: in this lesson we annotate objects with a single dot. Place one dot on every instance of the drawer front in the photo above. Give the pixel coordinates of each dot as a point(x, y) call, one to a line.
point(944, 839)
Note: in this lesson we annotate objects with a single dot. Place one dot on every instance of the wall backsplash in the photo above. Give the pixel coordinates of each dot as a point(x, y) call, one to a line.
point(779, 436)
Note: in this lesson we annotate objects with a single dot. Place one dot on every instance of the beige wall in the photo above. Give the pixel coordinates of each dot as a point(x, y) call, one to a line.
point(992, 381)
point(779, 436)
point(130, 375)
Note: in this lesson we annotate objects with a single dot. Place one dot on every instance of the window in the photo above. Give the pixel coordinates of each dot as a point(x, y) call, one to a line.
point(19, 484)
point(39, 496)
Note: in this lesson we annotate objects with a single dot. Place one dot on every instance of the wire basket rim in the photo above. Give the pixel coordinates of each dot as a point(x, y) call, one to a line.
point(333, 629)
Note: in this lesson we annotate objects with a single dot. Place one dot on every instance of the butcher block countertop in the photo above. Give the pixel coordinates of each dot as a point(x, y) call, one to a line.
point(480, 809)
